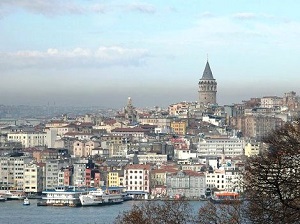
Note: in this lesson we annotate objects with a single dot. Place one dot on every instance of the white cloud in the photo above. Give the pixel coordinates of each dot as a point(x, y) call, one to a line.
point(62, 7)
point(245, 15)
point(206, 15)
point(141, 7)
point(45, 7)
point(78, 57)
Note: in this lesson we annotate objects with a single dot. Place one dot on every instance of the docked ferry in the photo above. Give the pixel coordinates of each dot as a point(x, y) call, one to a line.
point(62, 196)
point(225, 197)
point(101, 197)
point(13, 194)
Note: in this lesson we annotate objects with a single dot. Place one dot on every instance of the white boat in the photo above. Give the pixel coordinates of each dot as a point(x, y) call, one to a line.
point(26, 201)
point(62, 196)
point(13, 194)
point(3, 198)
point(101, 197)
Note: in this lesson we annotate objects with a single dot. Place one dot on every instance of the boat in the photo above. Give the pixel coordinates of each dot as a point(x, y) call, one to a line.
point(101, 197)
point(61, 196)
point(3, 198)
point(26, 201)
point(225, 197)
point(13, 194)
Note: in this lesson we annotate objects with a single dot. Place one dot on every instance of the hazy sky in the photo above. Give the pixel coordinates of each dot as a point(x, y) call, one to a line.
point(100, 52)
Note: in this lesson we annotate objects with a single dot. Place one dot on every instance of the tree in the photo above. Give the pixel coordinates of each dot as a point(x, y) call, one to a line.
point(272, 179)
point(163, 212)
point(231, 212)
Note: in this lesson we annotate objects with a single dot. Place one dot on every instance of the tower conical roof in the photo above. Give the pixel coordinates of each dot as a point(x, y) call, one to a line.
point(207, 74)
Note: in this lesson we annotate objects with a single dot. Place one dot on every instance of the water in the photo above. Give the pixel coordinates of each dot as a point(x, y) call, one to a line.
point(12, 212)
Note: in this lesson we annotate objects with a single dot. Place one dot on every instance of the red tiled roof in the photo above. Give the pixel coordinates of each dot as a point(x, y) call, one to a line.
point(193, 173)
point(138, 166)
point(166, 170)
point(129, 130)
point(77, 133)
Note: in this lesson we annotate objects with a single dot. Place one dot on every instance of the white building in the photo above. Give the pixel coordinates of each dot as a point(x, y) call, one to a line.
point(221, 146)
point(271, 101)
point(186, 183)
point(137, 179)
point(159, 122)
point(12, 172)
point(184, 154)
point(226, 178)
point(214, 120)
point(152, 158)
point(28, 139)
point(79, 173)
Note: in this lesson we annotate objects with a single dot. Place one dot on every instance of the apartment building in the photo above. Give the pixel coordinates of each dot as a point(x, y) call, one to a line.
point(113, 179)
point(33, 178)
point(12, 171)
point(137, 179)
point(220, 146)
point(257, 126)
point(252, 148)
point(271, 101)
point(28, 139)
point(54, 174)
point(179, 127)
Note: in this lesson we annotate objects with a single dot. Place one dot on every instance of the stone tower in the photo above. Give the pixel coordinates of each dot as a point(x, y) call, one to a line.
point(207, 87)
point(130, 112)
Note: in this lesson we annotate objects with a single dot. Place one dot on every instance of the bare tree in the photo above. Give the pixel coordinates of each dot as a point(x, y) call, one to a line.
point(228, 212)
point(272, 179)
point(164, 212)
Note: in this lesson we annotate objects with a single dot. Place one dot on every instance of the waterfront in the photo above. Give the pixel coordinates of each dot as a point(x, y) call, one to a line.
point(12, 212)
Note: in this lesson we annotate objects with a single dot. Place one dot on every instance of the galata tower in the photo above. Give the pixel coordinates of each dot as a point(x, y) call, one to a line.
point(207, 87)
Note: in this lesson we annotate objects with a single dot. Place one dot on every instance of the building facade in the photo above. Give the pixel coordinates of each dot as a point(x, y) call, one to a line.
point(33, 178)
point(137, 179)
point(187, 183)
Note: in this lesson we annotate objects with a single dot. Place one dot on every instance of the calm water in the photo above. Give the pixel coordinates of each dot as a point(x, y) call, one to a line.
point(12, 212)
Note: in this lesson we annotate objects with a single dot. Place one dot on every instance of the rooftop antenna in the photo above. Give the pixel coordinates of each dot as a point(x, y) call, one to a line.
point(207, 57)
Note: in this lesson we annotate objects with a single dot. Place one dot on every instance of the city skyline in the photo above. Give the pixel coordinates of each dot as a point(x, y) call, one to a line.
point(99, 53)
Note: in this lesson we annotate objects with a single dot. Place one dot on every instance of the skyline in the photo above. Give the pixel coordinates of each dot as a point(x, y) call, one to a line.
point(99, 53)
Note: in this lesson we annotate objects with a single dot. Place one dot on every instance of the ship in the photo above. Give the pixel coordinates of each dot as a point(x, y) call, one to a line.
point(101, 197)
point(225, 197)
point(61, 196)
point(13, 194)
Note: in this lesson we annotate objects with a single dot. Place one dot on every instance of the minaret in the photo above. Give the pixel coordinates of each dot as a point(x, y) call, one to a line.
point(207, 87)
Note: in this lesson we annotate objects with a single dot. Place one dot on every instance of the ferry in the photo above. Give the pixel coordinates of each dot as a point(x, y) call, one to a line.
point(225, 197)
point(62, 196)
point(13, 194)
point(101, 197)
